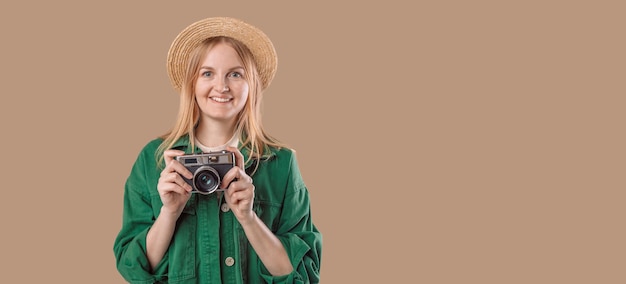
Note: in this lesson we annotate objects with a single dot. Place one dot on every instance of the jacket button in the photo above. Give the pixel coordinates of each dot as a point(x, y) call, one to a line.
point(229, 261)
point(225, 207)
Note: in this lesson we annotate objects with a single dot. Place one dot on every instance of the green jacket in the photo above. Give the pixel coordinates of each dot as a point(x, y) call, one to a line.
point(209, 245)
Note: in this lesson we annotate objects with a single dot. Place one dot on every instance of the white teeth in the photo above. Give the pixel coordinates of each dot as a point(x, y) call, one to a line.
point(220, 100)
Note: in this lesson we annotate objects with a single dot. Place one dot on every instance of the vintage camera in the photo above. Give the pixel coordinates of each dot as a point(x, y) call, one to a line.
point(208, 169)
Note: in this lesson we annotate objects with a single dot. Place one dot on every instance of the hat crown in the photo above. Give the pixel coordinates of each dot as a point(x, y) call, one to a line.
point(259, 44)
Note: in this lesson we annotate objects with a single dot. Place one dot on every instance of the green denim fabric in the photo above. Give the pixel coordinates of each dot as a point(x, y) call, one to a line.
point(206, 236)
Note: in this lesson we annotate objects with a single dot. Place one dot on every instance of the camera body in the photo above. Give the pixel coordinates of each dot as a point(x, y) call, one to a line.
point(208, 169)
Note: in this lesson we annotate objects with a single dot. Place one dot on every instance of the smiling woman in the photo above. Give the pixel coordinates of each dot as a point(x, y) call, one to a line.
point(257, 227)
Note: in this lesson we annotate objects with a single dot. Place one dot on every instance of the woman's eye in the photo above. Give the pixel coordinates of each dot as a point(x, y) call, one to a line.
point(206, 74)
point(236, 75)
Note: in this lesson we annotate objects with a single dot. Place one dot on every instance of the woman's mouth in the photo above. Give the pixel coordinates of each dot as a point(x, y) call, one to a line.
point(221, 100)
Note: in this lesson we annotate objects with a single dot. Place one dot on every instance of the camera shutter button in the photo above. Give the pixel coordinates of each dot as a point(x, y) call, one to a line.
point(225, 207)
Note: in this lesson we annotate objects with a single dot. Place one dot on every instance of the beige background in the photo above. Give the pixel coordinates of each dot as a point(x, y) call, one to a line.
point(442, 143)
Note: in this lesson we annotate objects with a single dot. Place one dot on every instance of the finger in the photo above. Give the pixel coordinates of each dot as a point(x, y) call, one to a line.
point(175, 178)
point(171, 188)
point(238, 156)
point(169, 155)
point(236, 186)
point(229, 177)
point(239, 191)
point(234, 174)
point(176, 166)
point(241, 197)
point(181, 182)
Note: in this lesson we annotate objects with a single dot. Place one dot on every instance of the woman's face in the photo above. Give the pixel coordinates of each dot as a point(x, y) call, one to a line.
point(221, 89)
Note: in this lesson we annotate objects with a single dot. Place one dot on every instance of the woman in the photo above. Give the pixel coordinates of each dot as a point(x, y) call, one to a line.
point(247, 231)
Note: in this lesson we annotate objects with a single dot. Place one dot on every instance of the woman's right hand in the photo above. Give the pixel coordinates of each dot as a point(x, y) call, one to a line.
point(173, 190)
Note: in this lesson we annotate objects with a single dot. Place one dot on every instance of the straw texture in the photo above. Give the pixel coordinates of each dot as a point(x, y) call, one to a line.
point(259, 44)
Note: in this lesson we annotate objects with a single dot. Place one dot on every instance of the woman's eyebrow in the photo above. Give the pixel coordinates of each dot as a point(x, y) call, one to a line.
point(232, 68)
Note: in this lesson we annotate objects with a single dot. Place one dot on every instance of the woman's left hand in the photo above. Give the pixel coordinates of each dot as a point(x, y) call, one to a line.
point(240, 192)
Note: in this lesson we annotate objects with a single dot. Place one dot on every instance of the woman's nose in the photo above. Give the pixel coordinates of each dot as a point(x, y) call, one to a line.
point(222, 85)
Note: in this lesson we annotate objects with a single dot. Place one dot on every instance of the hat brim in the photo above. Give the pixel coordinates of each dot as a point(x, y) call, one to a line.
point(257, 42)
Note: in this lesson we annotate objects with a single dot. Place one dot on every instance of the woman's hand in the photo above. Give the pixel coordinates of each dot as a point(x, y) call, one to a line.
point(173, 190)
point(240, 192)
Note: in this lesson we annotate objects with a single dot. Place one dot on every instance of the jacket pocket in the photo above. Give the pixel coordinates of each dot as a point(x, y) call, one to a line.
point(182, 251)
point(268, 212)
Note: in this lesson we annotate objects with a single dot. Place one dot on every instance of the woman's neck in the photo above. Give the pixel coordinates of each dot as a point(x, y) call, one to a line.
point(214, 134)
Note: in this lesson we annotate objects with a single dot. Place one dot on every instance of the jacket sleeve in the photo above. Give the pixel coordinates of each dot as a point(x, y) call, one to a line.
point(130, 245)
point(298, 234)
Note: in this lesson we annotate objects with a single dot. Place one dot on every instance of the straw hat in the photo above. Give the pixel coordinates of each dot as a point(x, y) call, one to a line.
point(257, 42)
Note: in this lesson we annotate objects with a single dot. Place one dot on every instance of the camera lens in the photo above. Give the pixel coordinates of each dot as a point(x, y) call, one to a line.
point(206, 180)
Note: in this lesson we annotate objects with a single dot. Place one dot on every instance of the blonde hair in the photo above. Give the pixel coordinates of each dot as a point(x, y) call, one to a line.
point(248, 127)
